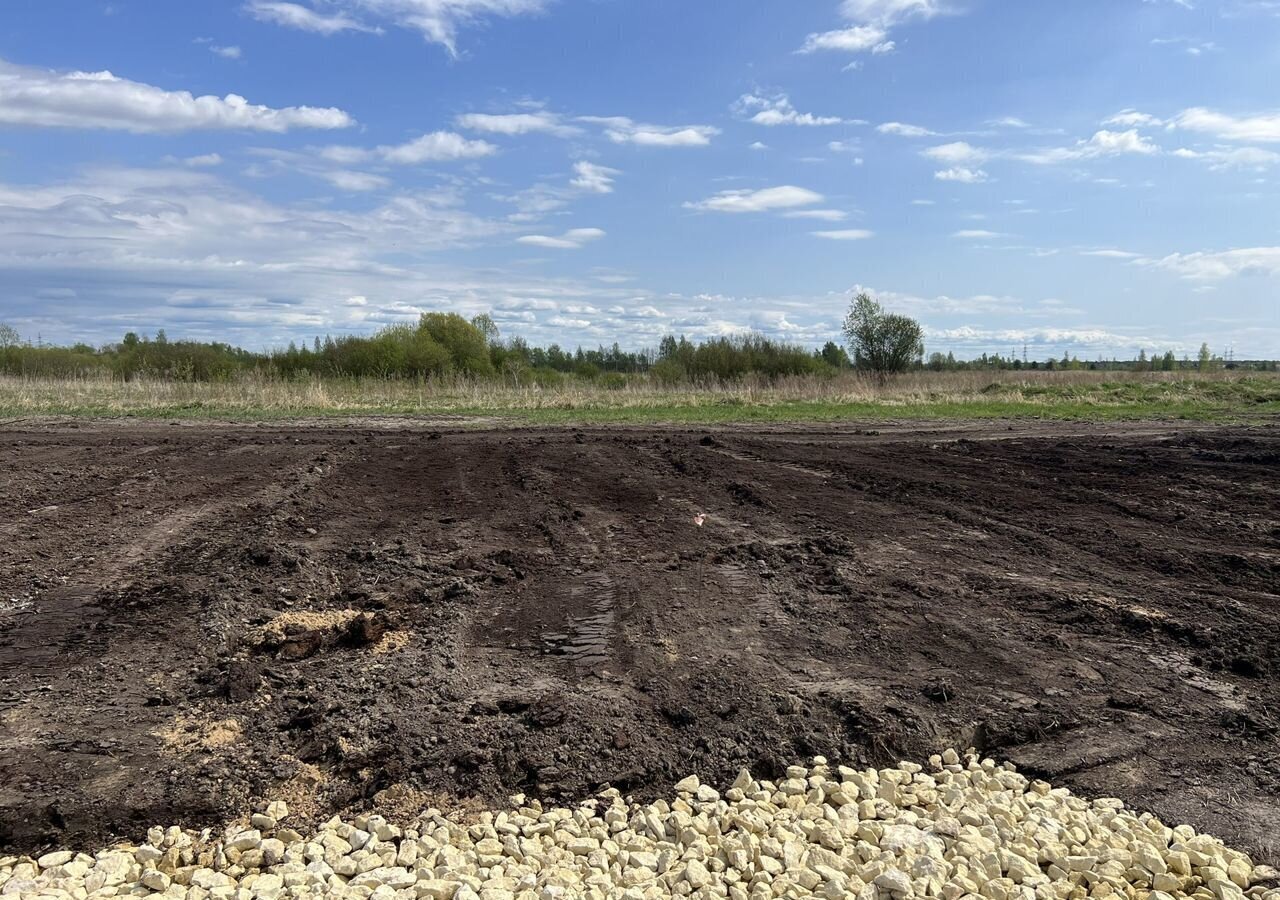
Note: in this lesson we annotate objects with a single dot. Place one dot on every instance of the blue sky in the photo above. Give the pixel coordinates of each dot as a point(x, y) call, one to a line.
point(1096, 177)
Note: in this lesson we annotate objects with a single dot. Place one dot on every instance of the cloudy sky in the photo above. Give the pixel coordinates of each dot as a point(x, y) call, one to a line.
point(1096, 176)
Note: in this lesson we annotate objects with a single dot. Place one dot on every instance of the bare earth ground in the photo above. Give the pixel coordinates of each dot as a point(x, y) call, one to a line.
point(193, 618)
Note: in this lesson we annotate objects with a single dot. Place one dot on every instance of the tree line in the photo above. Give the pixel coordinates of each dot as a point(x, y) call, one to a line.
point(443, 345)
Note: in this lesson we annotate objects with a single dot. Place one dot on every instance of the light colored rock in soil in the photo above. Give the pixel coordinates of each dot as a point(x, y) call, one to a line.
point(966, 829)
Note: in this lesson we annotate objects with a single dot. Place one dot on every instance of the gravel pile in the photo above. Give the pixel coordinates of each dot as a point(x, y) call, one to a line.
point(965, 828)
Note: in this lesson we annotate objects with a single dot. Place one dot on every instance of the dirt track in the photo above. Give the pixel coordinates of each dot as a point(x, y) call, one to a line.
point(196, 617)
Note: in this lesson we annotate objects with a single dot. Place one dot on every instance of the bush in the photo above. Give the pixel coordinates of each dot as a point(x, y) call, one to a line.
point(467, 345)
point(546, 377)
point(613, 381)
point(668, 372)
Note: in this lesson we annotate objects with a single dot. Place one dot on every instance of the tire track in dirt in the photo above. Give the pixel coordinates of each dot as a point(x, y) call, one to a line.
point(847, 594)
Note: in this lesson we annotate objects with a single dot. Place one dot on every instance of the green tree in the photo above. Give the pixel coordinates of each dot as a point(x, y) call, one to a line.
point(883, 343)
point(466, 343)
point(1205, 359)
point(833, 355)
point(9, 336)
point(485, 325)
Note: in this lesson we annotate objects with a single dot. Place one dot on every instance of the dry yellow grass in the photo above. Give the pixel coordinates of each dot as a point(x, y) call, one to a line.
point(945, 393)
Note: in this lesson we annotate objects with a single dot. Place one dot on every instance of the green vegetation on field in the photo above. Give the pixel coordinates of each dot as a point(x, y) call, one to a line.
point(847, 397)
point(446, 365)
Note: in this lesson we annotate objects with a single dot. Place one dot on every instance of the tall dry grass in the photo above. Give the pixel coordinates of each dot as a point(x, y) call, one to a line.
point(255, 394)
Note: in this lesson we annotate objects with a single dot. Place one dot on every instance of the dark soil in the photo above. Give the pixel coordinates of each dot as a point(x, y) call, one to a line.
point(537, 611)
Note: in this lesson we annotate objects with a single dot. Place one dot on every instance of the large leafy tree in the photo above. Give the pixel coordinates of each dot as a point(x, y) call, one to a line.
point(883, 344)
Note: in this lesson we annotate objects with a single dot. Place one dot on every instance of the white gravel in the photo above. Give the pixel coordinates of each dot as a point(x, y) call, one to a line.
point(962, 829)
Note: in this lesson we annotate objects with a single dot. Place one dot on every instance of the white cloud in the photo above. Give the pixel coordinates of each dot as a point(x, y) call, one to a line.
point(746, 201)
point(438, 146)
point(225, 52)
point(957, 153)
point(855, 39)
point(1109, 253)
point(1221, 158)
point(40, 98)
point(889, 12)
point(845, 234)
point(1131, 118)
point(346, 180)
point(294, 15)
point(1009, 122)
point(1060, 338)
point(572, 239)
point(1192, 47)
point(924, 202)
point(517, 123)
point(825, 215)
point(758, 145)
point(1215, 266)
point(962, 175)
point(437, 20)
point(592, 178)
point(976, 234)
point(777, 110)
point(1103, 143)
point(904, 130)
point(622, 130)
point(205, 161)
point(871, 20)
point(1262, 128)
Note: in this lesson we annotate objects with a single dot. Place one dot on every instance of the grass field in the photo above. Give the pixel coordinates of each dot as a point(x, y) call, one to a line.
point(1223, 396)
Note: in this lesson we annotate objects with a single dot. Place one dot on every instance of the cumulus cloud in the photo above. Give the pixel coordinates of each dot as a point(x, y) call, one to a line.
point(845, 234)
point(517, 123)
point(1103, 143)
point(1079, 339)
point(904, 130)
point(1263, 128)
point(961, 174)
point(1132, 118)
point(592, 178)
point(871, 20)
point(1218, 265)
point(572, 239)
point(855, 39)
point(957, 152)
point(203, 161)
point(777, 110)
point(438, 146)
point(39, 98)
point(437, 20)
point(747, 201)
point(1220, 158)
point(622, 130)
point(975, 234)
